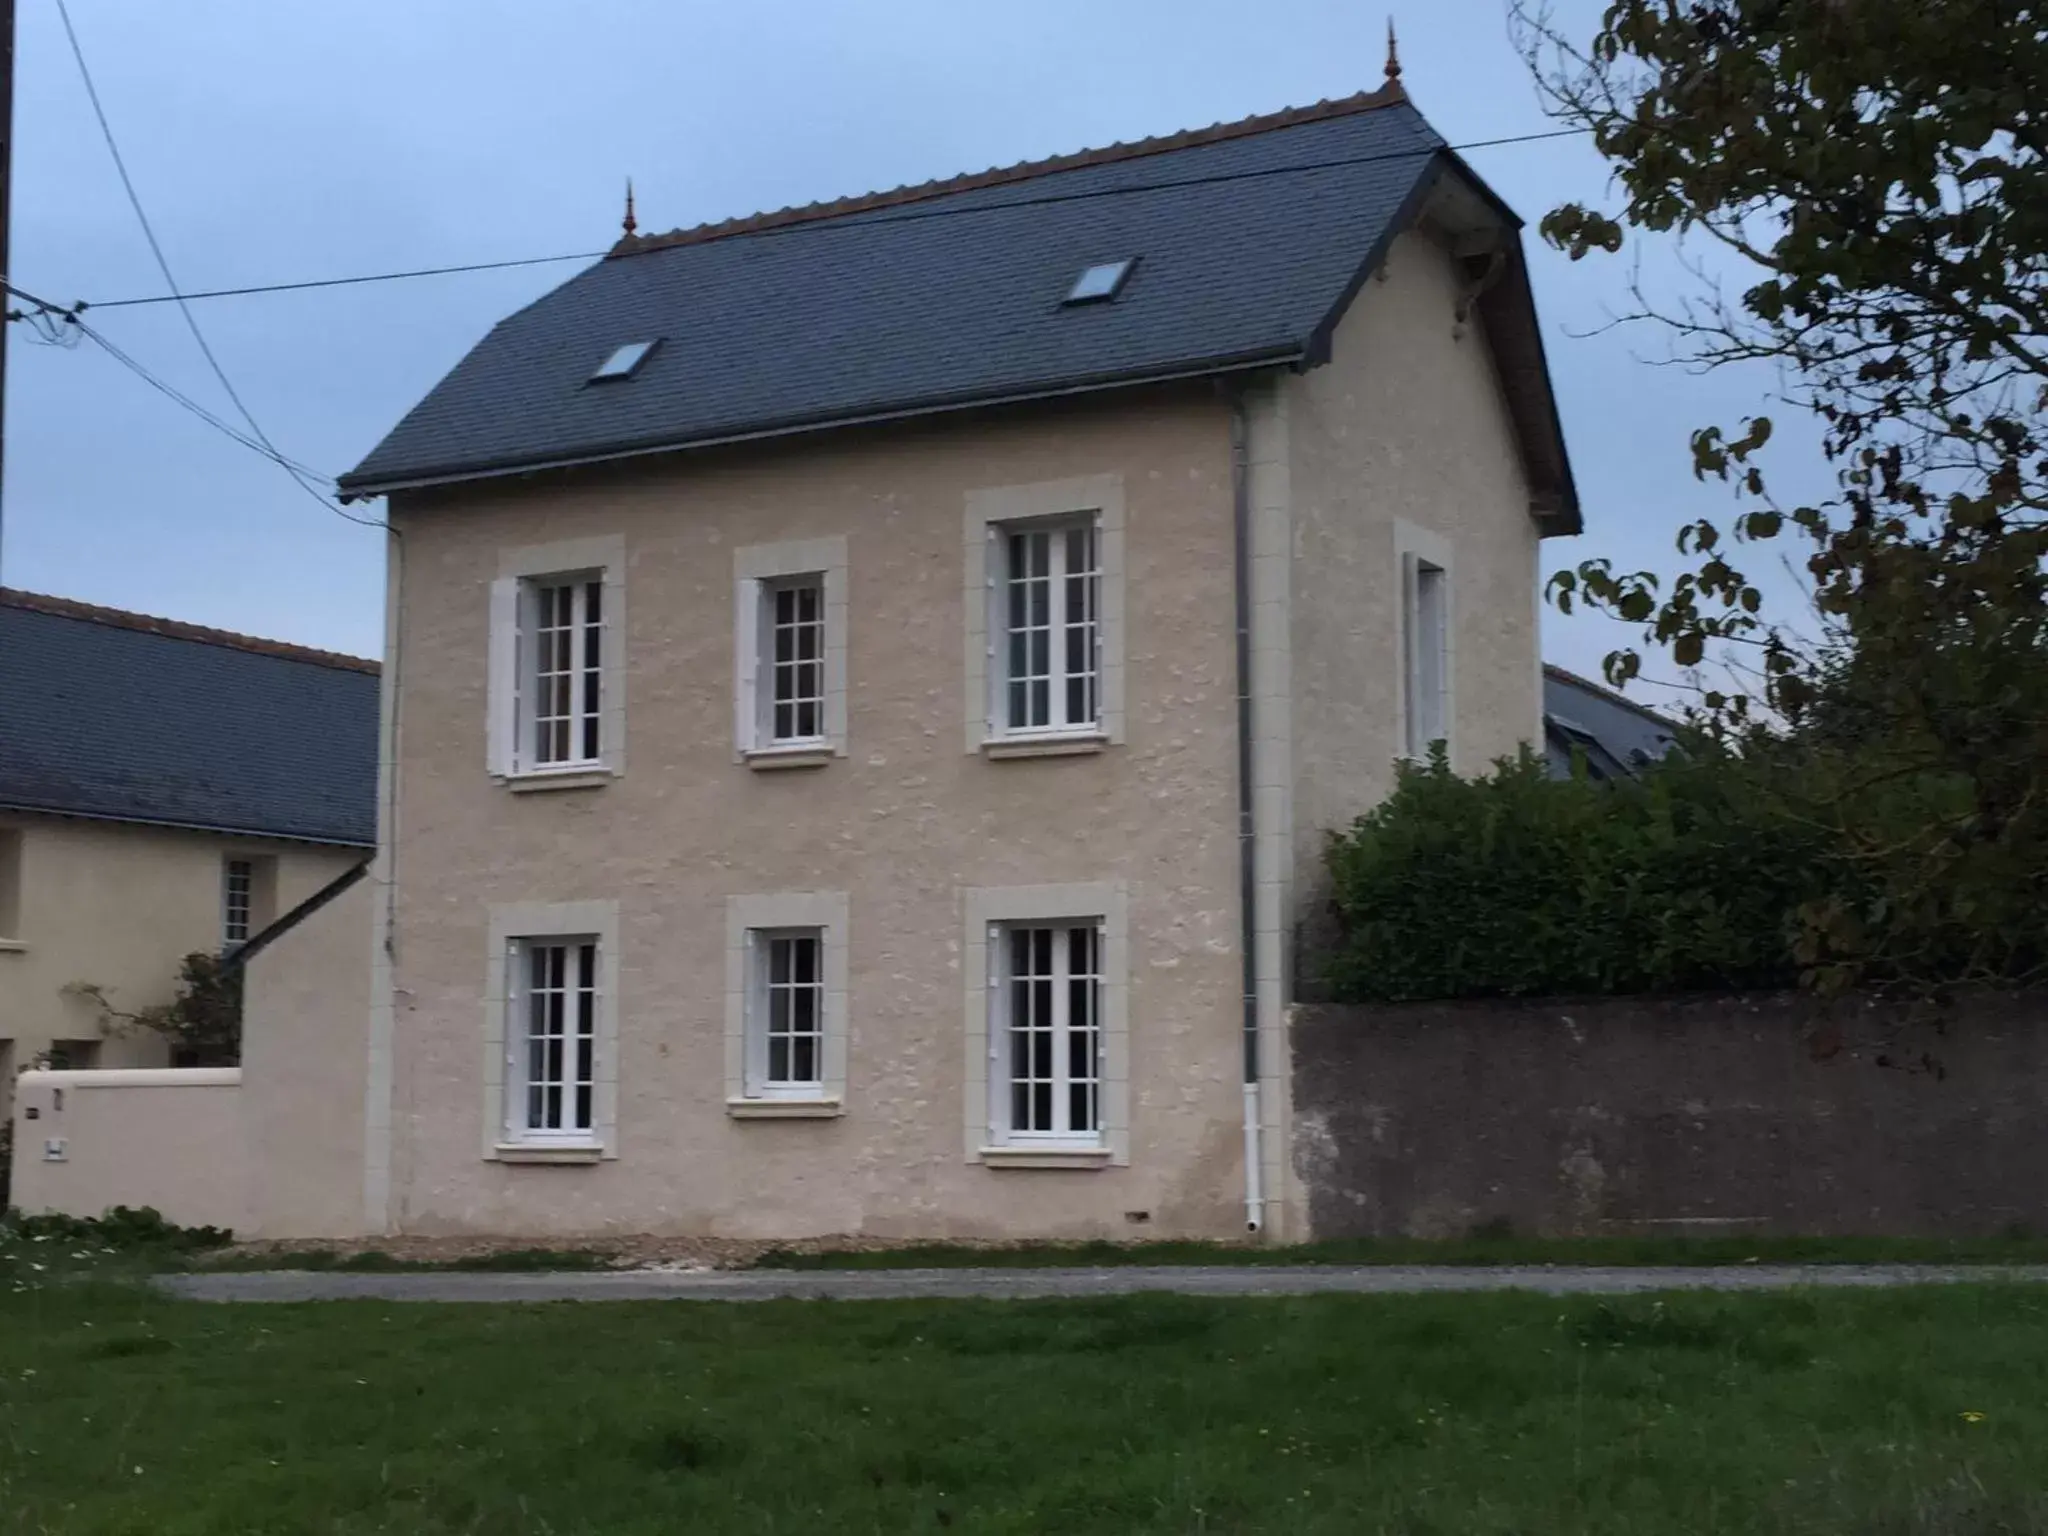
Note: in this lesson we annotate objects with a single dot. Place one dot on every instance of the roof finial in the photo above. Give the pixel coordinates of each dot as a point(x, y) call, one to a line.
point(630, 224)
point(1393, 53)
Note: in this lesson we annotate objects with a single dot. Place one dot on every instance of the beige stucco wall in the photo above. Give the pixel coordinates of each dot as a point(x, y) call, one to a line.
point(904, 824)
point(305, 1007)
point(121, 905)
point(173, 1140)
point(1405, 423)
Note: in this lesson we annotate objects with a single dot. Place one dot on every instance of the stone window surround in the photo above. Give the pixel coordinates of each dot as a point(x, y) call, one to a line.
point(984, 907)
point(1046, 499)
point(606, 555)
point(508, 923)
point(1412, 542)
point(753, 565)
point(823, 910)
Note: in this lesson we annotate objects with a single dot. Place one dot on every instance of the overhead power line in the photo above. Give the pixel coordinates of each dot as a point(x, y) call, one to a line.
point(262, 442)
point(844, 221)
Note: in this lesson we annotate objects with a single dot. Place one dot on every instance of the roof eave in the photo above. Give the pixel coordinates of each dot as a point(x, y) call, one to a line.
point(33, 808)
point(355, 487)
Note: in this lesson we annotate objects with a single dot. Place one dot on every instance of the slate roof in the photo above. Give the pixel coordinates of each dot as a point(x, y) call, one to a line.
point(1617, 735)
point(122, 717)
point(1250, 240)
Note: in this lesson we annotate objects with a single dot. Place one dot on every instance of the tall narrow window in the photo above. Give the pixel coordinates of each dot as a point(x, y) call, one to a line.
point(786, 1014)
point(1050, 655)
point(1046, 1032)
point(1425, 615)
point(10, 888)
point(793, 681)
point(564, 646)
point(552, 1045)
point(237, 900)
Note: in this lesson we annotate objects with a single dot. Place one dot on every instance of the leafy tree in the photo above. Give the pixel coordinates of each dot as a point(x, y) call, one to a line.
point(1880, 168)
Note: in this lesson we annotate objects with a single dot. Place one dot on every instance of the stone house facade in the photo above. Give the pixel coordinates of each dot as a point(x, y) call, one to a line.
point(869, 684)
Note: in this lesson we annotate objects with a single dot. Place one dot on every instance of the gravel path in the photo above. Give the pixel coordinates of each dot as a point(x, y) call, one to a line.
point(861, 1285)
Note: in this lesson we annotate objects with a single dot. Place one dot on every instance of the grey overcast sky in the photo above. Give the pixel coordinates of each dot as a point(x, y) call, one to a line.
point(274, 142)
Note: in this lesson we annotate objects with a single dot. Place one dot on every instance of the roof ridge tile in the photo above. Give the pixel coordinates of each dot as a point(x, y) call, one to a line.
point(174, 629)
point(1388, 95)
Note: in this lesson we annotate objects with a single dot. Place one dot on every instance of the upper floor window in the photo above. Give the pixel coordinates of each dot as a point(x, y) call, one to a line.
point(561, 645)
point(10, 884)
point(556, 684)
point(1050, 654)
point(1045, 617)
point(237, 900)
point(790, 703)
point(792, 674)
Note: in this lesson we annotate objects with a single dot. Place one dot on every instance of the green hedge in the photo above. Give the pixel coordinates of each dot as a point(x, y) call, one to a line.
point(1516, 883)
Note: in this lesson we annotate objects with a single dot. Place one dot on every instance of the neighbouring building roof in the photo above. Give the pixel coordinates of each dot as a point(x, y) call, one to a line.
point(1249, 241)
point(123, 717)
point(1617, 735)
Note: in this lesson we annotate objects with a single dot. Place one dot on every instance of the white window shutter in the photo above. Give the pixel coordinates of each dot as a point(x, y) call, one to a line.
point(995, 623)
point(502, 708)
point(753, 1019)
point(514, 1095)
point(746, 641)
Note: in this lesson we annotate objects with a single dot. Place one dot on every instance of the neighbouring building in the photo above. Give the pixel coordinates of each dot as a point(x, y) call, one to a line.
point(164, 789)
point(1616, 736)
point(876, 677)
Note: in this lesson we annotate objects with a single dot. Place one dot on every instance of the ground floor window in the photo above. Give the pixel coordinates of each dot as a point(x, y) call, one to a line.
point(551, 1040)
point(786, 1013)
point(1045, 1029)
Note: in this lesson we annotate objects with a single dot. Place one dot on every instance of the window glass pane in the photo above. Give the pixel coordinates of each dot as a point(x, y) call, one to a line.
point(794, 680)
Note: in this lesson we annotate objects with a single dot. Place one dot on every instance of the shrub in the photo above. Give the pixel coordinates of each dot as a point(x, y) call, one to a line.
point(1514, 883)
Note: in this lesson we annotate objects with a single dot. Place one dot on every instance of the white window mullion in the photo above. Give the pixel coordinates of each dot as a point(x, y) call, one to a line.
point(1062, 1027)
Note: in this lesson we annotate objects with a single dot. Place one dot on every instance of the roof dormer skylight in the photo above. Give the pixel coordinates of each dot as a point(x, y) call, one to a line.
point(624, 361)
point(1101, 282)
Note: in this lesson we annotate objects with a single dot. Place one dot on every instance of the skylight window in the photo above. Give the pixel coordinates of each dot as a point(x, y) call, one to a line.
point(624, 362)
point(1100, 282)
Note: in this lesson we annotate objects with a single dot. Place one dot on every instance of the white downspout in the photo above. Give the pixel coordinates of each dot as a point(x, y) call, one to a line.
point(1247, 828)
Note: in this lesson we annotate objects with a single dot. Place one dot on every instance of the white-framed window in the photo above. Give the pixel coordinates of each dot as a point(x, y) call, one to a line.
point(1047, 654)
point(1045, 617)
point(551, 1036)
point(1427, 714)
point(786, 1004)
point(786, 1014)
point(561, 672)
point(556, 708)
point(1045, 1028)
point(790, 645)
point(237, 900)
point(792, 666)
point(1048, 1038)
point(10, 887)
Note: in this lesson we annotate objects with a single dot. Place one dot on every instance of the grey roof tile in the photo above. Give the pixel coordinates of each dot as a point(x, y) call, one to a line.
point(1246, 245)
point(118, 716)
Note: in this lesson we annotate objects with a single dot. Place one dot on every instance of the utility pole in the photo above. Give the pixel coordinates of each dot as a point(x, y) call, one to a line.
point(6, 200)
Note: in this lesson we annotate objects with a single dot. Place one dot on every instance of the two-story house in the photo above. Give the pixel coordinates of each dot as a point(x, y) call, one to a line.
point(871, 682)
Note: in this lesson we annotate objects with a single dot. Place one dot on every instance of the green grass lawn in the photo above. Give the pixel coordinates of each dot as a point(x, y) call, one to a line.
point(1916, 1411)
